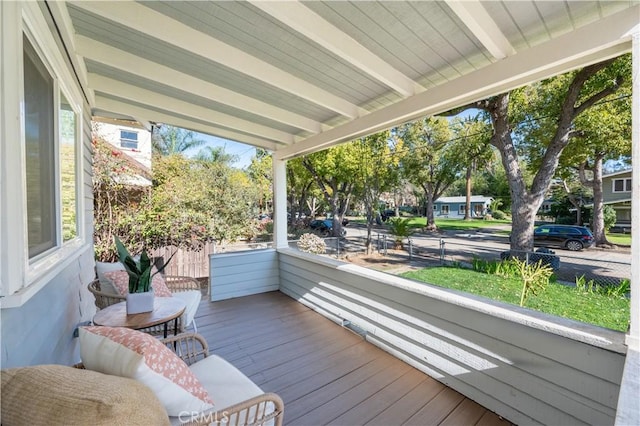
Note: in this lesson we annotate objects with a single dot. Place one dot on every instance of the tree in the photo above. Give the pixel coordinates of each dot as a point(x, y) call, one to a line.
point(167, 140)
point(334, 172)
point(378, 172)
point(302, 192)
point(261, 174)
point(195, 201)
point(430, 163)
point(560, 100)
point(472, 149)
point(601, 134)
point(215, 154)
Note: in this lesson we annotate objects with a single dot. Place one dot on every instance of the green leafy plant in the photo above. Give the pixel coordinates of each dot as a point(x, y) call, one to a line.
point(400, 229)
point(535, 277)
point(139, 271)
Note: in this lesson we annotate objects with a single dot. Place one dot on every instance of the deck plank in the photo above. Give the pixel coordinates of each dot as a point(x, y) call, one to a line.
point(326, 374)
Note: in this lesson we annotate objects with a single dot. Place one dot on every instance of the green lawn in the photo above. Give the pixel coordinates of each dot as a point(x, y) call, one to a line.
point(458, 224)
point(620, 239)
point(557, 299)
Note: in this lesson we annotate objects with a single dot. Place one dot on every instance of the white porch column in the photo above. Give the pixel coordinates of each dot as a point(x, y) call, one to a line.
point(628, 412)
point(633, 338)
point(279, 202)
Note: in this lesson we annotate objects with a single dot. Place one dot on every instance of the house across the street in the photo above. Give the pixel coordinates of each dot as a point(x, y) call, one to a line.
point(453, 207)
point(616, 191)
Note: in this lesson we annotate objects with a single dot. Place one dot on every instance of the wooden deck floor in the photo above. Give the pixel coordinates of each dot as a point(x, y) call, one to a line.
point(324, 373)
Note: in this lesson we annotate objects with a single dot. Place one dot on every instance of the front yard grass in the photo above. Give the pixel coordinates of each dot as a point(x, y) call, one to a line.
point(620, 239)
point(561, 300)
point(457, 224)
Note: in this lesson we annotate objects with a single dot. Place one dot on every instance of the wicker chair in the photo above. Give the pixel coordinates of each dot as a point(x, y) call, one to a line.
point(176, 284)
point(264, 409)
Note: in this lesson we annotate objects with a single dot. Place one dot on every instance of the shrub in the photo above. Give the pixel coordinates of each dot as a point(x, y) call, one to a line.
point(311, 243)
point(498, 215)
point(400, 229)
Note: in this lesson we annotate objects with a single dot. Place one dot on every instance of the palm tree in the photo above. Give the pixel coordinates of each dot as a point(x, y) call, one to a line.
point(167, 140)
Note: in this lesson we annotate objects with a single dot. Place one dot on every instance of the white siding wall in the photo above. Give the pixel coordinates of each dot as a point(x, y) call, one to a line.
point(41, 330)
point(243, 273)
point(485, 350)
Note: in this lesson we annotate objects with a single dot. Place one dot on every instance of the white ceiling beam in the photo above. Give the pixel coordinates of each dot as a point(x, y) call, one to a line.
point(305, 21)
point(124, 108)
point(596, 42)
point(64, 23)
point(146, 20)
point(127, 62)
point(132, 93)
point(477, 19)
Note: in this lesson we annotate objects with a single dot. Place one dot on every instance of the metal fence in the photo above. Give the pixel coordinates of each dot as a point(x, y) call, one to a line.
point(568, 266)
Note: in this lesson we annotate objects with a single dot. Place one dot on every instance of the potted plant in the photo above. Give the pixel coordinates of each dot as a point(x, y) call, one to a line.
point(140, 296)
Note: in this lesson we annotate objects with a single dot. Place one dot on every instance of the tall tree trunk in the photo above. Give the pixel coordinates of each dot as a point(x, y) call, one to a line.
point(431, 222)
point(467, 205)
point(597, 222)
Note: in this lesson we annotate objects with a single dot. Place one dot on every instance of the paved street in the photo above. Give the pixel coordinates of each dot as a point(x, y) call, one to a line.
point(594, 263)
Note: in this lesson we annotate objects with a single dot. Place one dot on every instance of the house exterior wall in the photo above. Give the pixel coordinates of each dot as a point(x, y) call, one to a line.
point(454, 209)
point(608, 194)
point(504, 357)
point(44, 300)
point(619, 200)
point(111, 133)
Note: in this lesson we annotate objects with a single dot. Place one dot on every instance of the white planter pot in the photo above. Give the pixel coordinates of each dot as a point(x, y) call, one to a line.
point(139, 302)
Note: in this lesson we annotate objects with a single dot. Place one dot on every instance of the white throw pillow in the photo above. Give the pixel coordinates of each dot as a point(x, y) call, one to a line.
point(130, 353)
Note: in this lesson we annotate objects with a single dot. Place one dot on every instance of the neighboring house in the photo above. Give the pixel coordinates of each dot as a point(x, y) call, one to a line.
point(453, 207)
point(130, 140)
point(616, 191)
point(130, 137)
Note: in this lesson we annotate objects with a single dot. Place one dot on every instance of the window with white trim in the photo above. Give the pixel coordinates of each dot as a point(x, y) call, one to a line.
point(51, 145)
point(128, 139)
point(622, 185)
point(444, 209)
point(461, 209)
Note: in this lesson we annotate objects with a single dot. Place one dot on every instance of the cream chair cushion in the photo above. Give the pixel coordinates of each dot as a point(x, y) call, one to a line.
point(224, 383)
point(191, 298)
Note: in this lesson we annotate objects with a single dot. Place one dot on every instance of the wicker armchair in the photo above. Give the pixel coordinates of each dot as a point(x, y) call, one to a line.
point(176, 284)
point(260, 410)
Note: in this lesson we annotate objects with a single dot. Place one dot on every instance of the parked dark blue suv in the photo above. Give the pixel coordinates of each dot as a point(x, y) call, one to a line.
point(563, 236)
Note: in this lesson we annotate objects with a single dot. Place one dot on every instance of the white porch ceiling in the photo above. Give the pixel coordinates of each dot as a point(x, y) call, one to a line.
point(295, 77)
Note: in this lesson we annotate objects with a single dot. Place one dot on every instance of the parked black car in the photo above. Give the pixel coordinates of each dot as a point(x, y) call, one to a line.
point(325, 226)
point(563, 236)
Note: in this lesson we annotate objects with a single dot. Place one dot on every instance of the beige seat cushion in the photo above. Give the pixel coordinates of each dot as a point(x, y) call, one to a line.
point(191, 298)
point(225, 384)
point(56, 394)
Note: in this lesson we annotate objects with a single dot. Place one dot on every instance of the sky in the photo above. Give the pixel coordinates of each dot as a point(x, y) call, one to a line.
point(243, 152)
